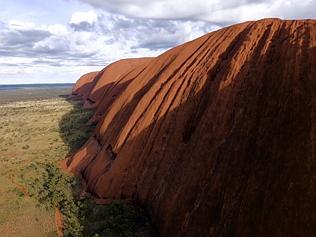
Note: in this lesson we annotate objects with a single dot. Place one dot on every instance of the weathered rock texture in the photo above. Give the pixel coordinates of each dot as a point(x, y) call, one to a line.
point(215, 137)
point(99, 89)
point(84, 85)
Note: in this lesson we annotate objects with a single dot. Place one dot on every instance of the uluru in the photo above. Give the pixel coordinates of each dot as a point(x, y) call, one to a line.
point(158, 118)
point(215, 137)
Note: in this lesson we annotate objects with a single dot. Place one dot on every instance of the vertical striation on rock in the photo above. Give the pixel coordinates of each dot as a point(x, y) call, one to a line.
point(215, 137)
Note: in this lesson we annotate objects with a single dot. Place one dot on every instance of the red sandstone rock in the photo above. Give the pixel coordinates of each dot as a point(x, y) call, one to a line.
point(112, 82)
point(84, 85)
point(215, 137)
point(111, 75)
point(99, 89)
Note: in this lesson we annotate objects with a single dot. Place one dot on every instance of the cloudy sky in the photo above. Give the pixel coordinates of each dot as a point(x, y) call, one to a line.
point(58, 40)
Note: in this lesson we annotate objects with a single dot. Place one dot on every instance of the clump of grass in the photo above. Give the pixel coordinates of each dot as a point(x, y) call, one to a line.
point(25, 147)
point(17, 192)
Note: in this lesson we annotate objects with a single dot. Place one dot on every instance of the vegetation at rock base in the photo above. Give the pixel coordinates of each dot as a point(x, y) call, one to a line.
point(53, 189)
point(73, 127)
point(34, 136)
point(81, 216)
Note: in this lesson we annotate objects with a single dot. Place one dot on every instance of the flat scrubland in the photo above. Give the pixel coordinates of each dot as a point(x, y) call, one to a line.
point(34, 135)
point(29, 134)
point(8, 96)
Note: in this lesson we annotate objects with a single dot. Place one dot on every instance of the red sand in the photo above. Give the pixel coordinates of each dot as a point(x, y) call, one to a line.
point(59, 223)
point(215, 137)
point(19, 186)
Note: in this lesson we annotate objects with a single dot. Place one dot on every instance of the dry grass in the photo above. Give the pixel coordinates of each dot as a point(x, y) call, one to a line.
point(29, 133)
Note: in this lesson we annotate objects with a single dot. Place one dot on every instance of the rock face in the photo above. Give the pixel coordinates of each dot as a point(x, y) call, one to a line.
point(111, 75)
point(84, 85)
point(99, 89)
point(215, 137)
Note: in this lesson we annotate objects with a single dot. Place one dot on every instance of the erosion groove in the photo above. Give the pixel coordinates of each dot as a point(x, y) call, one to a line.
point(215, 137)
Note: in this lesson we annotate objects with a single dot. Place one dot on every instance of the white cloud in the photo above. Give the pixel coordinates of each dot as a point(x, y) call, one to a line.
point(57, 29)
point(115, 29)
point(88, 42)
point(15, 24)
point(113, 37)
point(78, 17)
point(217, 11)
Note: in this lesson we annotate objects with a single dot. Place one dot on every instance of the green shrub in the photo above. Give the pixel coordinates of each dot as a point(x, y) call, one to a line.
point(54, 190)
point(116, 219)
point(82, 217)
point(18, 192)
point(73, 127)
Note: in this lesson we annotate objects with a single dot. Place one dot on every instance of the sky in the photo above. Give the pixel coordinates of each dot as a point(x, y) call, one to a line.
point(57, 41)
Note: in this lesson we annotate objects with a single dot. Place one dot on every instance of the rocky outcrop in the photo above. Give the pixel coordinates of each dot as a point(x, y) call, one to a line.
point(112, 75)
point(215, 137)
point(99, 89)
point(84, 85)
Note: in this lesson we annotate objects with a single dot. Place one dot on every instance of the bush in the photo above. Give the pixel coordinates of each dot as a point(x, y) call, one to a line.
point(18, 192)
point(115, 219)
point(81, 216)
point(74, 129)
point(54, 190)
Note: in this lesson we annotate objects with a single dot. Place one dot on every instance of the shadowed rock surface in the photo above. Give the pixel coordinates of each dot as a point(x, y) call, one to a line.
point(84, 85)
point(215, 137)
